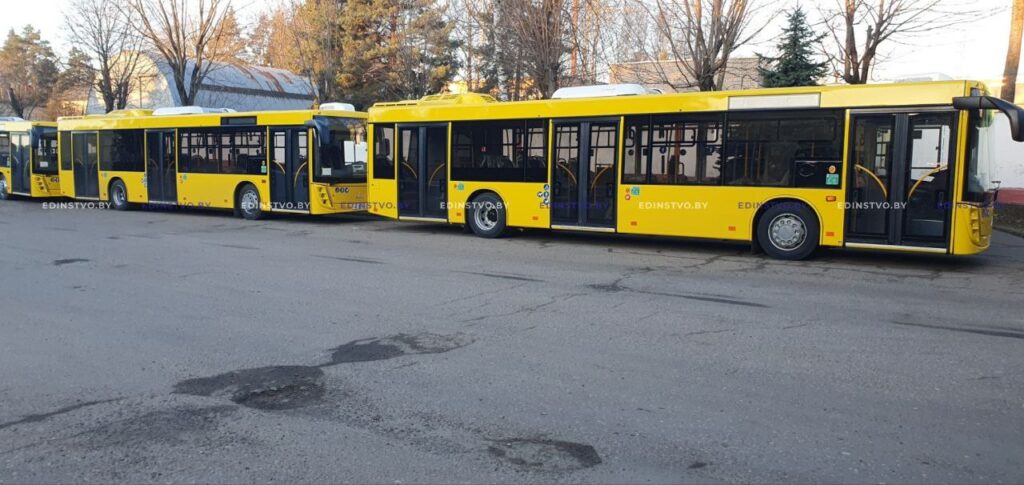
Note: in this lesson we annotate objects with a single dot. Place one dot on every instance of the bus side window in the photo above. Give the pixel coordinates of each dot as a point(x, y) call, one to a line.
point(5, 150)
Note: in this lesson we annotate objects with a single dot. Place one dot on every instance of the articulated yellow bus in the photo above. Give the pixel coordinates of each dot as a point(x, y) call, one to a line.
point(893, 167)
point(28, 158)
point(307, 161)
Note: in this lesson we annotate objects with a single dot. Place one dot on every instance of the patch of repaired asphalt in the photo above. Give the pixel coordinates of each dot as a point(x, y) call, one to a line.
point(384, 348)
point(269, 388)
point(545, 455)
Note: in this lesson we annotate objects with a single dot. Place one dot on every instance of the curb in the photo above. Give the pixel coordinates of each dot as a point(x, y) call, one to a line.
point(1009, 230)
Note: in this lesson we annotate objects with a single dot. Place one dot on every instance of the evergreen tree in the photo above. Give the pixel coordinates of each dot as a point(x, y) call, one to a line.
point(71, 88)
point(28, 70)
point(795, 64)
point(394, 49)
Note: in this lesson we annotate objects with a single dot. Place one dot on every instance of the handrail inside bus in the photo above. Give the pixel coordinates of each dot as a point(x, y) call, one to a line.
point(885, 191)
point(929, 174)
point(1012, 111)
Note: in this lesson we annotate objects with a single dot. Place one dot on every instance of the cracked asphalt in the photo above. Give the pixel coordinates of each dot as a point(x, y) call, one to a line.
point(195, 347)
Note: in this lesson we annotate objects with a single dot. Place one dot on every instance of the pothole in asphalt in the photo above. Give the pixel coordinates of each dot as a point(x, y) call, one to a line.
point(545, 455)
point(366, 350)
point(268, 388)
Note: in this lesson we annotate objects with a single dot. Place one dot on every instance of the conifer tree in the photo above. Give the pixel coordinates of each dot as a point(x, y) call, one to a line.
point(795, 65)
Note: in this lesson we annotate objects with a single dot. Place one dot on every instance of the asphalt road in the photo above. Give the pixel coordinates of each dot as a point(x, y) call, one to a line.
point(195, 347)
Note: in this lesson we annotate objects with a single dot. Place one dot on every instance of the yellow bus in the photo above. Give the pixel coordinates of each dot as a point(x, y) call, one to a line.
point(900, 167)
point(305, 161)
point(28, 158)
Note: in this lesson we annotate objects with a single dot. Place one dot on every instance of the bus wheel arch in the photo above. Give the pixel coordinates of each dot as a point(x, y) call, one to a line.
point(786, 228)
point(487, 214)
point(248, 203)
point(117, 194)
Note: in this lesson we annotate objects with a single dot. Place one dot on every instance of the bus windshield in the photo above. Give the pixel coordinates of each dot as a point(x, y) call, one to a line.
point(45, 161)
point(342, 151)
point(983, 137)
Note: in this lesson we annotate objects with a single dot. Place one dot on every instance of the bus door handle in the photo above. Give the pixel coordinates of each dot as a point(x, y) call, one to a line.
point(556, 189)
point(609, 190)
point(940, 198)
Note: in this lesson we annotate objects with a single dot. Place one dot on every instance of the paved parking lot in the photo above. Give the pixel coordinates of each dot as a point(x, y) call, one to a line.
point(174, 347)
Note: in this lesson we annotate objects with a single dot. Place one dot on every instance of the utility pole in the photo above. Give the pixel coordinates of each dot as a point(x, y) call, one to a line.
point(1009, 90)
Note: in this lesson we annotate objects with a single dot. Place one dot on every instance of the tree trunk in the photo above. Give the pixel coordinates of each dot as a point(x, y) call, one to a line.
point(1009, 90)
point(16, 106)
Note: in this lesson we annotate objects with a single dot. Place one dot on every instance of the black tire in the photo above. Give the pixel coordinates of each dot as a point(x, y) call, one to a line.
point(788, 230)
point(118, 196)
point(486, 216)
point(248, 204)
point(4, 188)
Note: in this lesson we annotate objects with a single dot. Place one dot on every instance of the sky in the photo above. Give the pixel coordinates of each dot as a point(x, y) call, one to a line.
point(974, 50)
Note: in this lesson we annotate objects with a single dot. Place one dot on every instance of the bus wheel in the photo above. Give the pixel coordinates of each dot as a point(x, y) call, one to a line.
point(248, 203)
point(486, 216)
point(118, 196)
point(3, 189)
point(788, 230)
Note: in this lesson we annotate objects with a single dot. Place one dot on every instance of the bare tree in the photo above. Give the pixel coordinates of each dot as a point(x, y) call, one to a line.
point(593, 31)
point(881, 21)
point(190, 36)
point(105, 30)
point(1009, 90)
point(314, 35)
point(697, 38)
point(540, 29)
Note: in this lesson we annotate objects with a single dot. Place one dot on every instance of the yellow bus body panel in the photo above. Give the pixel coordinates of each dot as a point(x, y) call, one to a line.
point(717, 212)
point(214, 190)
point(525, 203)
point(725, 212)
point(40, 185)
point(851, 97)
point(336, 198)
point(44, 185)
point(217, 191)
point(134, 183)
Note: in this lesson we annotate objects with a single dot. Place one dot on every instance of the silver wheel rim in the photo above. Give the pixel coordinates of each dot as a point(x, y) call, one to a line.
point(787, 232)
point(119, 195)
point(250, 201)
point(3, 185)
point(486, 215)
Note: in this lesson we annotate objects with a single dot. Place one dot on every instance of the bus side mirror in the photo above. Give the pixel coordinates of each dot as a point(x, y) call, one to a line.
point(323, 133)
point(1013, 112)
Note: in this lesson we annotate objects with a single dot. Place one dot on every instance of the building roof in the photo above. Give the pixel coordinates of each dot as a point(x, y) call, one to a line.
point(250, 81)
point(227, 85)
point(668, 75)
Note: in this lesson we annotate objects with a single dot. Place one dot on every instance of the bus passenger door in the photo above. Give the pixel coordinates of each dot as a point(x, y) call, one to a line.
point(900, 179)
point(21, 177)
point(67, 175)
point(423, 171)
point(584, 174)
point(85, 156)
point(289, 169)
point(161, 169)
